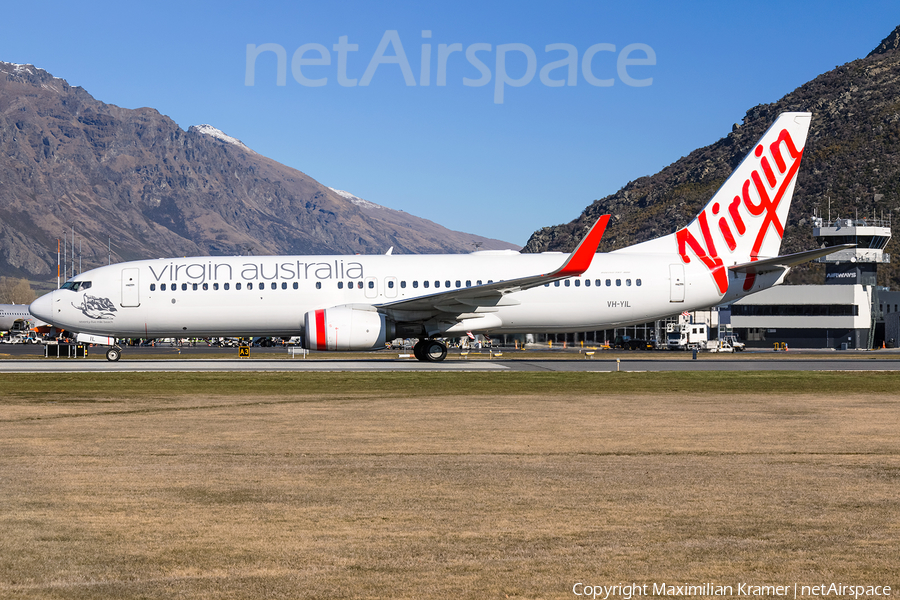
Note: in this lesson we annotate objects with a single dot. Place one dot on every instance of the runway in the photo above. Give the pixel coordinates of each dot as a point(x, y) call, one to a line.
point(22, 358)
point(604, 365)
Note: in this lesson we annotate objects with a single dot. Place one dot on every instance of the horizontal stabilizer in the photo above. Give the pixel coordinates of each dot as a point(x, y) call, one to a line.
point(789, 260)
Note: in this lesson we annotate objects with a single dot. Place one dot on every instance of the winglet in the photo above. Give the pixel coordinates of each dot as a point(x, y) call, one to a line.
point(580, 259)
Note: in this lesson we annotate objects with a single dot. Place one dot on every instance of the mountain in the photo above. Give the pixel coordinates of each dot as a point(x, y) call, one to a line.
point(851, 166)
point(467, 242)
point(134, 177)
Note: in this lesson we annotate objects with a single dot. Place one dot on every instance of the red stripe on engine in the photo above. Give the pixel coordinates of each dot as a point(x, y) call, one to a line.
point(321, 340)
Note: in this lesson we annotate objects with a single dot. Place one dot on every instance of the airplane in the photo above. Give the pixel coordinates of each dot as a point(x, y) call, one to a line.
point(17, 317)
point(358, 303)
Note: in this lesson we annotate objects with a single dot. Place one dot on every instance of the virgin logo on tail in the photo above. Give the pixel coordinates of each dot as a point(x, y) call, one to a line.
point(748, 216)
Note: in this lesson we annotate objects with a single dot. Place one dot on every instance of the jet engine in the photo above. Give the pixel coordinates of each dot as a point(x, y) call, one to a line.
point(352, 327)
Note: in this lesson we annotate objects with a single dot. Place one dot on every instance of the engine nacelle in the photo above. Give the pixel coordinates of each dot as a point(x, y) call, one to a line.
point(353, 327)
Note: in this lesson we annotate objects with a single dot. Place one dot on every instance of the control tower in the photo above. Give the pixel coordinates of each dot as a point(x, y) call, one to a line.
point(859, 266)
point(854, 266)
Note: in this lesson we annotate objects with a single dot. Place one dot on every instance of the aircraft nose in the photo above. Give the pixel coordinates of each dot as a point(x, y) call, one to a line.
point(42, 308)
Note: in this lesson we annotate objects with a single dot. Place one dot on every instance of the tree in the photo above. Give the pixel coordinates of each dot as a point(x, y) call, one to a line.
point(15, 291)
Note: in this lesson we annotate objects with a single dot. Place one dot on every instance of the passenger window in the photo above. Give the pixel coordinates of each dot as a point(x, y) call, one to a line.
point(577, 283)
point(152, 287)
point(340, 285)
point(618, 282)
point(447, 284)
point(425, 284)
point(437, 284)
point(568, 283)
point(478, 282)
point(194, 286)
point(458, 283)
point(284, 285)
point(359, 285)
point(237, 286)
point(371, 285)
point(390, 285)
point(226, 286)
point(296, 286)
point(162, 287)
point(318, 285)
point(628, 282)
point(403, 284)
point(250, 286)
point(216, 286)
point(415, 284)
point(637, 282)
point(597, 282)
point(587, 283)
point(205, 287)
point(183, 287)
point(274, 286)
point(556, 284)
point(468, 283)
point(608, 282)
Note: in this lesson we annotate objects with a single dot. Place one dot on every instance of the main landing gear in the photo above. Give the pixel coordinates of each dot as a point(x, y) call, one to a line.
point(430, 350)
point(113, 353)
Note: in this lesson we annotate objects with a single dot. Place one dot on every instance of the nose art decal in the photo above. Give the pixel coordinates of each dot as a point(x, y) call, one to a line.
point(96, 308)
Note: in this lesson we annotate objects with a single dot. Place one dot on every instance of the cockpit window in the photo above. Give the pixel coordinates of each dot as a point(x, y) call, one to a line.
point(76, 285)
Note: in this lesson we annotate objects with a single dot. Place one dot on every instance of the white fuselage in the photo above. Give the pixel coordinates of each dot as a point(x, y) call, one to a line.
point(269, 295)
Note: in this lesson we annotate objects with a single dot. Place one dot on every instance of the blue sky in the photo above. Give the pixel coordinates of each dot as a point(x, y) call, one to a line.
point(452, 153)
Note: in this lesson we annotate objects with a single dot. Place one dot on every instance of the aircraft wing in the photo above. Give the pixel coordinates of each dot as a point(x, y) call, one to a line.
point(788, 260)
point(466, 300)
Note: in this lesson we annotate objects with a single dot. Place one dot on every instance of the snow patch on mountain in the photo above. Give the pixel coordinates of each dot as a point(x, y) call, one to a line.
point(357, 200)
point(219, 135)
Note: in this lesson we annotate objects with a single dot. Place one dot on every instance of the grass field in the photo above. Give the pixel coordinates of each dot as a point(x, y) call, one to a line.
point(444, 485)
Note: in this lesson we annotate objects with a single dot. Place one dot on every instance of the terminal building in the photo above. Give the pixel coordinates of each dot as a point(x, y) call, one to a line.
point(850, 311)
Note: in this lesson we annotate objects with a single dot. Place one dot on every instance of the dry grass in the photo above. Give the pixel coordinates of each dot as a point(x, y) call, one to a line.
point(439, 486)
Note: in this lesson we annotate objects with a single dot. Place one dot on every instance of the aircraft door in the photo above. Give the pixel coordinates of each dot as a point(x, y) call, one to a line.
point(676, 283)
point(130, 287)
point(371, 286)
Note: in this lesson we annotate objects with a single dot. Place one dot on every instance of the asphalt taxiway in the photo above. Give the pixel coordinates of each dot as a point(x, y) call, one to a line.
point(595, 366)
point(29, 359)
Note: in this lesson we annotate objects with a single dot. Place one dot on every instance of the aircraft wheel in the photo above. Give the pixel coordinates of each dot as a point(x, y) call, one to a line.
point(417, 350)
point(434, 351)
point(113, 354)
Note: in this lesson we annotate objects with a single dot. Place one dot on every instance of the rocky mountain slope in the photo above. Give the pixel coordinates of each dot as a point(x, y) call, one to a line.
point(133, 176)
point(852, 161)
